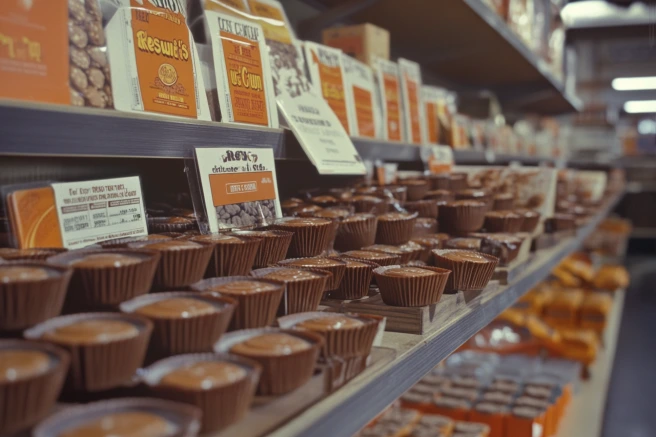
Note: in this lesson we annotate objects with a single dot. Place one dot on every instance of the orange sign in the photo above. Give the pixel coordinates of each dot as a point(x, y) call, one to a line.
point(332, 89)
point(164, 60)
point(413, 109)
point(231, 188)
point(275, 27)
point(392, 103)
point(245, 79)
point(34, 50)
point(232, 7)
point(33, 218)
point(364, 112)
point(431, 123)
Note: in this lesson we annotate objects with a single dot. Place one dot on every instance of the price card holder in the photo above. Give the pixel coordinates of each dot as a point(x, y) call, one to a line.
point(233, 188)
point(441, 160)
point(74, 215)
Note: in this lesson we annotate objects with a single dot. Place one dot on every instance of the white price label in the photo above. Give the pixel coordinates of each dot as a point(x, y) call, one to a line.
point(93, 211)
point(441, 160)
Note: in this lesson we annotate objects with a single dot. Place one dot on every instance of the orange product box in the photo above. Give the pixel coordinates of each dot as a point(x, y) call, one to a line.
point(523, 420)
point(457, 409)
point(364, 42)
point(563, 309)
point(493, 415)
point(33, 218)
point(594, 311)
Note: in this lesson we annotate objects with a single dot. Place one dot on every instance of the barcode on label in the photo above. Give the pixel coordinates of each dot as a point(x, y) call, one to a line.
point(228, 116)
point(136, 93)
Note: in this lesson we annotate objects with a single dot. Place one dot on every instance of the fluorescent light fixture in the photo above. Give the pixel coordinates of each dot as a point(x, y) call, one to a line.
point(638, 106)
point(634, 83)
point(647, 127)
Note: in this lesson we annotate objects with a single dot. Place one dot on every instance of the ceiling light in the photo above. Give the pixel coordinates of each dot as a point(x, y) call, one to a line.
point(634, 83)
point(647, 127)
point(637, 106)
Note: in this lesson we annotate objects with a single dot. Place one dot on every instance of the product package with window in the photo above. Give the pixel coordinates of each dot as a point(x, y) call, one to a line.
point(361, 98)
point(387, 76)
point(413, 110)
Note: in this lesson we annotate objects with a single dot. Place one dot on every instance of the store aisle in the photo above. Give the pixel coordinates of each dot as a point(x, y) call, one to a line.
point(632, 392)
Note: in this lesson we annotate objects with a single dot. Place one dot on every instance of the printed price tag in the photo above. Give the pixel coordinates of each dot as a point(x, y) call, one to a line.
point(94, 211)
point(441, 160)
point(239, 187)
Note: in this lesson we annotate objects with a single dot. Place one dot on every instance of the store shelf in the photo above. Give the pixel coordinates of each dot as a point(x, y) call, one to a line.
point(585, 415)
point(363, 398)
point(388, 150)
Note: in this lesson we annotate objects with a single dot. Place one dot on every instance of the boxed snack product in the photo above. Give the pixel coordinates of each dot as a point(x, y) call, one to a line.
point(387, 77)
point(364, 42)
point(361, 98)
point(154, 61)
point(430, 97)
point(413, 110)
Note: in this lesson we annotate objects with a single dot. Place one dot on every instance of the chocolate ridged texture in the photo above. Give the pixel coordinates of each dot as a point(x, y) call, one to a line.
point(180, 268)
point(404, 257)
point(39, 254)
point(221, 406)
point(300, 296)
point(396, 231)
point(387, 261)
point(337, 271)
point(184, 335)
point(439, 181)
point(26, 401)
point(100, 366)
point(409, 291)
point(233, 259)
point(505, 251)
point(356, 280)
point(160, 225)
point(424, 227)
point(308, 240)
point(530, 223)
point(462, 219)
point(510, 224)
point(102, 288)
point(465, 275)
point(503, 204)
point(369, 206)
point(458, 181)
point(273, 248)
point(416, 191)
point(424, 208)
point(254, 310)
point(354, 235)
point(351, 342)
point(27, 303)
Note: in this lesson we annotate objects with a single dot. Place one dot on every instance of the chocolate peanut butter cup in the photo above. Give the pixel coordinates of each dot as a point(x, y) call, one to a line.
point(335, 215)
point(332, 265)
point(469, 243)
point(103, 278)
point(439, 181)
point(289, 205)
point(380, 258)
point(417, 188)
point(424, 208)
point(122, 243)
point(287, 356)
point(470, 270)
point(462, 216)
point(357, 278)
point(30, 254)
point(232, 255)
point(503, 221)
point(31, 292)
point(395, 227)
point(106, 348)
point(398, 193)
point(356, 231)
point(503, 202)
point(478, 195)
point(531, 219)
point(222, 386)
point(258, 299)
point(273, 248)
point(428, 243)
point(440, 196)
point(183, 322)
point(458, 181)
point(405, 256)
point(503, 246)
point(559, 222)
point(345, 335)
point(325, 201)
point(305, 210)
point(311, 235)
point(304, 287)
point(31, 377)
point(369, 204)
point(157, 225)
point(182, 262)
point(143, 417)
point(411, 286)
point(424, 226)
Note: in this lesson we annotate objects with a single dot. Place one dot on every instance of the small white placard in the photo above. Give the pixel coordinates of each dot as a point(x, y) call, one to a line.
point(93, 211)
point(441, 160)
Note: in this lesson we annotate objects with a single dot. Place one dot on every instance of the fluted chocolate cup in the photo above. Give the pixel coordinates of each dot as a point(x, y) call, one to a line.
point(440, 195)
point(428, 243)
point(458, 181)
point(301, 293)
point(559, 222)
point(102, 364)
point(380, 258)
point(397, 192)
point(273, 248)
point(158, 225)
point(346, 335)
point(424, 208)
point(183, 331)
point(31, 300)
point(531, 219)
point(424, 226)
point(368, 204)
point(470, 270)
point(462, 216)
point(310, 235)
point(357, 278)
point(410, 286)
point(395, 227)
point(255, 308)
point(356, 231)
point(105, 285)
point(335, 266)
point(182, 418)
point(503, 202)
point(123, 243)
point(417, 188)
point(26, 400)
point(232, 255)
point(439, 181)
point(281, 373)
point(31, 254)
point(503, 246)
point(405, 256)
point(503, 221)
point(222, 404)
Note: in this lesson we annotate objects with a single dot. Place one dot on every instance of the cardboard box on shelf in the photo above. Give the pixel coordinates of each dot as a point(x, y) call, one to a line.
point(364, 42)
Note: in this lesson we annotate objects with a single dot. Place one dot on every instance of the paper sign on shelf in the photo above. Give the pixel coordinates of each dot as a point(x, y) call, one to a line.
point(239, 186)
point(93, 211)
point(387, 76)
point(361, 98)
point(441, 160)
point(431, 99)
point(413, 110)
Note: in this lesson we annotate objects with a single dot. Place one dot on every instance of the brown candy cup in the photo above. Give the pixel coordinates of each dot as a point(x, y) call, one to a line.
point(370, 206)
point(26, 303)
point(424, 226)
point(26, 401)
point(181, 268)
point(354, 235)
point(403, 258)
point(510, 224)
point(158, 225)
point(300, 296)
point(183, 335)
point(185, 418)
point(94, 288)
point(233, 259)
point(37, 254)
point(273, 248)
point(416, 191)
point(439, 181)
point(462, 219)
point(531, 221)
point(100, 366)
point(465, 275)
point(424, 208)
point(458, 181)
point(351, 342)
point(440, 196)
point(503, 204)
point(254, 310)
point(388, 259)
point(395, 231)
point(411, 291)
point(356, 280)
point(221, 406)
point(308, 240)
point(337, 271)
